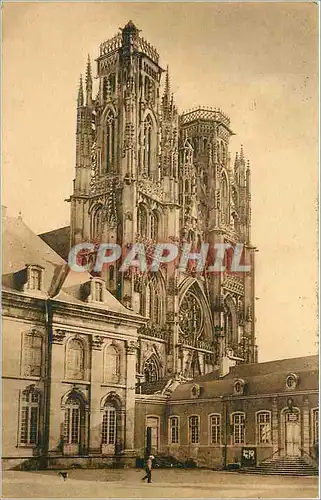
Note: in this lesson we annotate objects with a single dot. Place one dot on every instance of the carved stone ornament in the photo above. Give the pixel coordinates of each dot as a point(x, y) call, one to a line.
point(58, 336)
point(97, 341)
point(131, 347)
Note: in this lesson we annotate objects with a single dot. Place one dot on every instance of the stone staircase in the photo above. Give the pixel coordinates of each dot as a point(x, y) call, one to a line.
point(291, 466)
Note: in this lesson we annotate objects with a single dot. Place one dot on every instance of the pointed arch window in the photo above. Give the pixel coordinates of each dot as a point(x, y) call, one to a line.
point(148, 128)
point(75, 360)
point(110, 140)
point(142, 225)
point(225, 199)
point(154, 223)
point(111, 364)
point(151, 370)
point(29, 417)
point(96, 222)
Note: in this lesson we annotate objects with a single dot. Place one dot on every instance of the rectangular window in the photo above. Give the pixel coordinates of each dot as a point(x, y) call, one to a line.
point(215, 429)
point(315, 430)
point(238, 428)
point(194, 430)
point(32, 355)
point(109, 427)
point(35, 278)
point(29, 418)
point(264, 427)
point(174, 430)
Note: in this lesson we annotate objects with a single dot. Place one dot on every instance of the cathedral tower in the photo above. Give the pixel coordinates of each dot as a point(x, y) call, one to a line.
point(144, 174)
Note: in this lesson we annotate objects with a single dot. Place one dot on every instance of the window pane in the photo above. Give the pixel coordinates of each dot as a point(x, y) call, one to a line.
point(24, 426)
point(34, 425)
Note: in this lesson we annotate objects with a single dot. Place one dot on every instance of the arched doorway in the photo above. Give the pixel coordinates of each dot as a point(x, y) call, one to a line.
point(74, 431)
point(112, 427)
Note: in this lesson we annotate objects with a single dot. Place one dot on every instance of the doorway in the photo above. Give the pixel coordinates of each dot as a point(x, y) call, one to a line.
point(292, 434)
point(152, 435)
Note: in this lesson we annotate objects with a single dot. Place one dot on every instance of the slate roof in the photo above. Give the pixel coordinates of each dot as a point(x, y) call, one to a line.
point(58, 240)
point(21, 246)
point(260, 378)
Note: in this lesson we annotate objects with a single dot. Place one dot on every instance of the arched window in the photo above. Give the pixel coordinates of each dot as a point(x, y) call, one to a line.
point(263, 427)
point(151, 302)
point(142, 225)
point(109, 425)
point(154, 226)
point(191, 318)
point(110, 140)
point(31, 355)
point(148, 127)
point(215, 429)
point(173, 430)
point(72, 421)
point(225, 199)
point(96, 222)
point(146, 87)
point(151, 371)
point(111, 364)
point(75, 360)
point(238, 425)
point(194, 429)
point(29, 417)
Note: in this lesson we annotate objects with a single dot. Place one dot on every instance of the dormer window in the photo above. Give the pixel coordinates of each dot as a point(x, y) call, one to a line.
point(34, 278)
point(239, 387)
point(196, 391)
point(97, 290)
point(291, 381)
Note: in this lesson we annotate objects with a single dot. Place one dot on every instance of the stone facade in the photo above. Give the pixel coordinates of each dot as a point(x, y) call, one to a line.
point(69, 360)
point(147, 174)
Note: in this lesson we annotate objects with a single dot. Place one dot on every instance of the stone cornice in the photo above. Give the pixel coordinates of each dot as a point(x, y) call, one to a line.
point(234, 398)
point(15, 298)
point(85, 311)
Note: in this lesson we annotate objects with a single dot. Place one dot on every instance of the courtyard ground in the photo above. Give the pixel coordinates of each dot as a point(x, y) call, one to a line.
point(170, 483)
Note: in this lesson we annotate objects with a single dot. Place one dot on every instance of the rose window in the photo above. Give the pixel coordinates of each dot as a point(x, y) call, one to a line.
point(190, 318)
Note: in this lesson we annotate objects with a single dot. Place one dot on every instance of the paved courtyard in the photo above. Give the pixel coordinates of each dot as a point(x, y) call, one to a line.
point(166, 484)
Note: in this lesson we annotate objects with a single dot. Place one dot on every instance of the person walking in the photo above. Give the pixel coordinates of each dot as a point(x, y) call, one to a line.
point(148, 469)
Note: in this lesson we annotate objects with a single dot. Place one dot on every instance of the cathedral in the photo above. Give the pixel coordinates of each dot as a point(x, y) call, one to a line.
point(146, 173)
point(102, 368)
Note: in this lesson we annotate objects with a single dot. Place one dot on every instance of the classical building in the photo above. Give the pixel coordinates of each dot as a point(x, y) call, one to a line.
point(69, 358)
point(270, 409)
point(108, 366)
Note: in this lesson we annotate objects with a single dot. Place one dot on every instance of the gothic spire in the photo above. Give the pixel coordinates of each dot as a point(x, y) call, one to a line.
point(80, 98)
point(242, 153)
point(89, 82)
point(166, 101)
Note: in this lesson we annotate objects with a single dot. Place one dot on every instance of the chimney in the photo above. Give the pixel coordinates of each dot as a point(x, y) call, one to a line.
point(225, 365)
